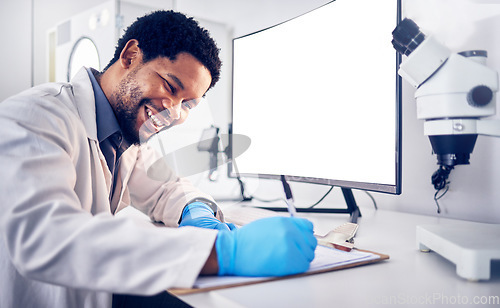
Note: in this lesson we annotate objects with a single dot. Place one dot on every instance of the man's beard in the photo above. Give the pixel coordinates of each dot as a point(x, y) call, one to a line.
point(128, 101)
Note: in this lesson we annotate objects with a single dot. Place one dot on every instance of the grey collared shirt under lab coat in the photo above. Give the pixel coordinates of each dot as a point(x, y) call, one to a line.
point(60, 245)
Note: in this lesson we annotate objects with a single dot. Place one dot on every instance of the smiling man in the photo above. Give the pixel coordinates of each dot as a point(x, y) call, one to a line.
point(148, 81)
point(71, 158)
point(161, 91)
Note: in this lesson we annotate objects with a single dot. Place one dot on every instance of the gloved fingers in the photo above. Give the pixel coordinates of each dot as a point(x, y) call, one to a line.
point(201, 222)
point(206, 222)
point(306, 248)
point(299, 233)
point(231, 226)
point(306, 243)
point(298, 263)
point(223, 226)
point(308, 240)
point(303, 223)
point(294, 236)
point(307, 231)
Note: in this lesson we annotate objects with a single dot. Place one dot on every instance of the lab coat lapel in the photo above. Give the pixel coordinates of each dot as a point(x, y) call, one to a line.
point(127, 163)
point(85, 103)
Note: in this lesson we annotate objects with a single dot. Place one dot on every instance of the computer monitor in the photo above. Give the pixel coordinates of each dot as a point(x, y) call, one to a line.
point(319, 97)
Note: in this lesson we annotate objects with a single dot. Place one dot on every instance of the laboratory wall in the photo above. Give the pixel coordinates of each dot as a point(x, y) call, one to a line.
point(474, 192)
point(16, 54)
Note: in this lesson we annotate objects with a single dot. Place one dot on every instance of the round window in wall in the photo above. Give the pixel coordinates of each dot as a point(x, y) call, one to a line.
point(84, 53)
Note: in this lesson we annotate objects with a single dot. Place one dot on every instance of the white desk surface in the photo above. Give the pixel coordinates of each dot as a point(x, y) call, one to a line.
point(408, 278)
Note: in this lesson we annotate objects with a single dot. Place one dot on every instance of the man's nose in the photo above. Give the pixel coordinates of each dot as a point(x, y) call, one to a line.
point(174, 109)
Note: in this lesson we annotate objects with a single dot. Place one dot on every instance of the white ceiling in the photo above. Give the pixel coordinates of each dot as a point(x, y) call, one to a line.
point(243, 16)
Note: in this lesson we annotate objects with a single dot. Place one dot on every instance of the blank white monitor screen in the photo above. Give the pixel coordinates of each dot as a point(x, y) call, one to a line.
point(319, 96)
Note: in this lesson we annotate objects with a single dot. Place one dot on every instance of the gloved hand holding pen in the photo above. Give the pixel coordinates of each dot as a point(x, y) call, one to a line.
point(274, 246)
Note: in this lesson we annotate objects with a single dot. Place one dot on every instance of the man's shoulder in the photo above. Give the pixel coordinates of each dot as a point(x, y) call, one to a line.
point(41, 93)
point(59, 94)
point(46, 104)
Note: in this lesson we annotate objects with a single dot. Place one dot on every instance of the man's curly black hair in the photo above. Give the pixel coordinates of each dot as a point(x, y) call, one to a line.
point(168, 33)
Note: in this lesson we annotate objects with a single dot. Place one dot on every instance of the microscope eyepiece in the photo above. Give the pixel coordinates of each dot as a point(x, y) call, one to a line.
point(407, 36)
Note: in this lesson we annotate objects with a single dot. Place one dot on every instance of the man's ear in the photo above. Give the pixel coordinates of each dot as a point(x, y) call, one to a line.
point(130, 54)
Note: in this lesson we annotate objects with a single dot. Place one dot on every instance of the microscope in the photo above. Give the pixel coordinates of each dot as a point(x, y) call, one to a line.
point(455, 91)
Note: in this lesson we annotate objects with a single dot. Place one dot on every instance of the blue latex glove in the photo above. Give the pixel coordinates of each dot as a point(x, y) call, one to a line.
point(198, 214)
point(274, 246)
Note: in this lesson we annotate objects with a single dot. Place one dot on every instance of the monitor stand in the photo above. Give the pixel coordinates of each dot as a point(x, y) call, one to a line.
point(352, 208)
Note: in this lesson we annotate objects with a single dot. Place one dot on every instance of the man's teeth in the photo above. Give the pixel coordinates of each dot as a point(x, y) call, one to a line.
point(156, 122)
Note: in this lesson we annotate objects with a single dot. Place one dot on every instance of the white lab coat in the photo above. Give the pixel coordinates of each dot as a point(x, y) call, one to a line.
point(60, 245)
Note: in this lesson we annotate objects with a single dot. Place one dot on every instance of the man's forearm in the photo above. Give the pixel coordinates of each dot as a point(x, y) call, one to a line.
point(211, 266)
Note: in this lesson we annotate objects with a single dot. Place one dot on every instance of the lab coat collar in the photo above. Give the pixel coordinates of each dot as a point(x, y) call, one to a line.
point(83, 95)
point(107, 123)
point(85, 102)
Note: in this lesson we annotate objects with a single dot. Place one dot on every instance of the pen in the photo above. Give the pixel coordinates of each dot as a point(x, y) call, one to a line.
point(289, 197)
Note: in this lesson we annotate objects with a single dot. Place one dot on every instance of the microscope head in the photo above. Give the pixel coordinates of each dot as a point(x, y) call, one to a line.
point(453, 92)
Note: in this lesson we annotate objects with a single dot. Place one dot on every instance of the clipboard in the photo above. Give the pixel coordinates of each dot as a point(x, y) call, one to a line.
point(254, 280)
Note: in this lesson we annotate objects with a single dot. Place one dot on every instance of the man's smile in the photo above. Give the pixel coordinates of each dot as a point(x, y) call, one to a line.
point(159, 120)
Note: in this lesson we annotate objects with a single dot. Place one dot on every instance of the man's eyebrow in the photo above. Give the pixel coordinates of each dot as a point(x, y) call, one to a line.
point(177, 81)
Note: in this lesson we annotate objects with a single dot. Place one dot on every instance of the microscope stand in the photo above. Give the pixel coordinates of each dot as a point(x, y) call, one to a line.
point(470, 245)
